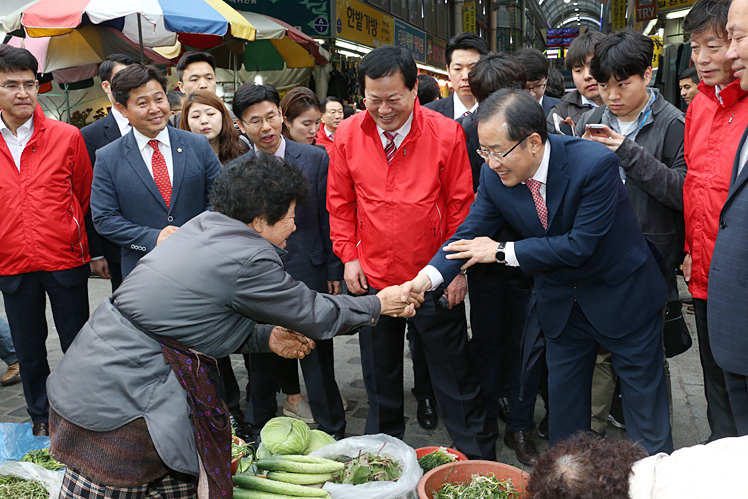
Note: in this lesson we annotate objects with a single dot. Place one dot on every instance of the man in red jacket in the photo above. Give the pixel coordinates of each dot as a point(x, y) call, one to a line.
point(45, 181)
point(399, 185)
point(715, 121)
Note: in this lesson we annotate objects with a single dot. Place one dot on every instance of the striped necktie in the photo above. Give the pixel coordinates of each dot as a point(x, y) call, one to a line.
point(466, 113)
point(390, 148)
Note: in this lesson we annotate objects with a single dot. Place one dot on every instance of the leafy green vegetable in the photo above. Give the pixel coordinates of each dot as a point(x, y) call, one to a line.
point(285, 436)
point(436, 458)
point(12, 487)
point(317, 440)
point(238, 450)
point(369, 468)
point(480, 487)
point(43, 459)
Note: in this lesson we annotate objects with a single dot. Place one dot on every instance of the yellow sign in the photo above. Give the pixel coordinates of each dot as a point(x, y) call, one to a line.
point(360, 23)
point(618, 15)
point(657, 51)
point(668, 5)
point(468, 17)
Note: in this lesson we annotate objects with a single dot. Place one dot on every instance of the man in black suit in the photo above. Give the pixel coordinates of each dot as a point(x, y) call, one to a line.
point(463, 51)
point(309, 259)
point(536, 66)
point(106, 255)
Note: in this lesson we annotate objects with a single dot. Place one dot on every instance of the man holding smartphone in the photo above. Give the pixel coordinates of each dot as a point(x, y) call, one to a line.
point(646, 133)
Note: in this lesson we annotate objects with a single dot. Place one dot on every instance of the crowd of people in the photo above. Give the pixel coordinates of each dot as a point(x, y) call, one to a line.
point(268, 228)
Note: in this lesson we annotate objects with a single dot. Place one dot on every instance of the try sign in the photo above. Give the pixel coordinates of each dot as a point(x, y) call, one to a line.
point(646, 10)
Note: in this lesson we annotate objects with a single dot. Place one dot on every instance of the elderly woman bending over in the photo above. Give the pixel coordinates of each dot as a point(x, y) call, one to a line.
point(133, 408)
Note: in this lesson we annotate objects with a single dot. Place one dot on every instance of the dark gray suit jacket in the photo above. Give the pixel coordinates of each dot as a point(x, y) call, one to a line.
point(444, 106)
point(727, 303)
point(309, 256)
point(126, 205)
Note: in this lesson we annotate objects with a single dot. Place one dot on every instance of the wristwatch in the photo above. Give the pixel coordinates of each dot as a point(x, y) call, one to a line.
point(500, 254)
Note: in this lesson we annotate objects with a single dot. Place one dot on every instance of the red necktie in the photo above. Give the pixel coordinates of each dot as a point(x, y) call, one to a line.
point(332, 137)
point(160, 172)
point(534, 186)
point(390, 148)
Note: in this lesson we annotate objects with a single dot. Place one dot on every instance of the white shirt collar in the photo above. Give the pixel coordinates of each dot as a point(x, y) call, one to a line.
point(588, 102)
point(328, 132)
point(717, 90)
point(541, 100)
point(122, 123)
point(401, 132)
point(281, 151)
point(27, 128)
point(142, 140)
point(541, 174)
point(460, 108)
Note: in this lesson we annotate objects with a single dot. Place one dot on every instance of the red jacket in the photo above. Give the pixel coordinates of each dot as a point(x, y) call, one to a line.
point(712, 135)
point(324, 140)
point(395, 217)
point(42, 206)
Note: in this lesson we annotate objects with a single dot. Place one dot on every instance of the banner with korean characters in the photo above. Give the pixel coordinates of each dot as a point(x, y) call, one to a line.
point(360, 23)
point(668, 5)
point(436, 51)
point(468, 17)
point(411, 39)
point(618, 15)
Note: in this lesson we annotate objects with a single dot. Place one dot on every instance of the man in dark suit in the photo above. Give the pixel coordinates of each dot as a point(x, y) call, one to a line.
point(536, 66)
point(153, 179)
point(727, 314)
point(106, 255)
point(463, 51)
point(309, 259)
point(584, 248)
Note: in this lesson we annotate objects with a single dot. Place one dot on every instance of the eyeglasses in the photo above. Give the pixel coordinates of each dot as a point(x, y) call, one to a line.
point(537, 88)
point(258, 122)
point(30, 88)
point(498, 156)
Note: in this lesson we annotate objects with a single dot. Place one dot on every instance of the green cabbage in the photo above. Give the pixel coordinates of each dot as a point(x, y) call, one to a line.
point(285, 436)
point(262, 451)
point(317, 440)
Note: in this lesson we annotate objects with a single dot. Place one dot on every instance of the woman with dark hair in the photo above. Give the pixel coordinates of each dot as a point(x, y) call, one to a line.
point(134, 410)
point(587, 466)
point(205, 114)
point(302, 115)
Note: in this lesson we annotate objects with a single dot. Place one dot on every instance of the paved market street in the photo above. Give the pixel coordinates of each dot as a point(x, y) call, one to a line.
point(690, 423)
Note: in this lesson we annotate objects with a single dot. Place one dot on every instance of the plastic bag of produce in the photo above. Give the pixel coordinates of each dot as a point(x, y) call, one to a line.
point(404, 488)
point(16, 440)
point(51, 480)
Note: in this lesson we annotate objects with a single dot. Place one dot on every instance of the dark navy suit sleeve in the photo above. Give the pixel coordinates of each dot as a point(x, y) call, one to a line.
point(593, 219)
point(212, 169)
point(333, 263)
point(484, 219)
point(107, 212)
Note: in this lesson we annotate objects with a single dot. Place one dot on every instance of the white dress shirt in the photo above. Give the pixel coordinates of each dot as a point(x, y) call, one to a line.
point(460, 108)
point(743, 158)
point(401, 132)
point(588, 102)
point(16, 143)
point(329, 133)
point(122, 123)
point(541, 175)
point(164, 145)
point(280, 152)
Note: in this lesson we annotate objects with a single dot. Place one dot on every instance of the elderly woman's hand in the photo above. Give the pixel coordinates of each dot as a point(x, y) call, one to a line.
point(393, 303)
point(290, 344)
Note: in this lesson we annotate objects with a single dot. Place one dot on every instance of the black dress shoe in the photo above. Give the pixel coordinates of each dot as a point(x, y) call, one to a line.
point(504, 409)
point(40, 429)
point(426, 413)
point(543, 427)
point(523, 445)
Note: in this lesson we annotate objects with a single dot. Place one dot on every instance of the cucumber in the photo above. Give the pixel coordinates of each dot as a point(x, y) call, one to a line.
point(299, 478)
point(305, 459)
point(280, 463)
point(252, 482)
point(256, 494)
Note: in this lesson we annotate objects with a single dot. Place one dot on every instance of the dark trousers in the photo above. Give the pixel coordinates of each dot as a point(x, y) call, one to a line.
point(115, 271)
point(228, 388)
point(322, 390)
point(737, 388)
point(498, 309)
point(443, 334)
point(422, 388)
point(637, 358)
point(25, 308)
point(718, 410)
